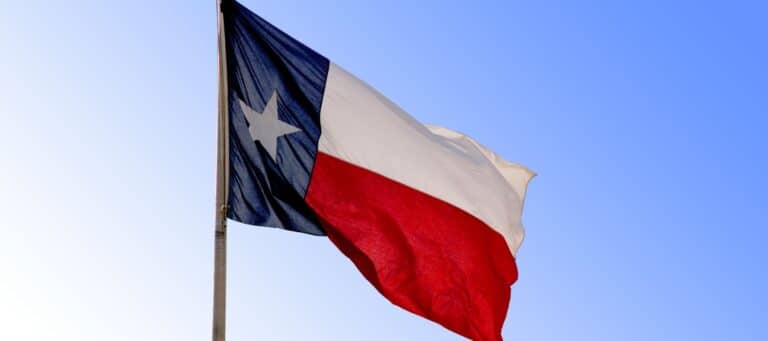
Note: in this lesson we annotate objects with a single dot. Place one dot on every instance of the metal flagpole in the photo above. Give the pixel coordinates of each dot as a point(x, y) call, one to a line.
point(222, 186)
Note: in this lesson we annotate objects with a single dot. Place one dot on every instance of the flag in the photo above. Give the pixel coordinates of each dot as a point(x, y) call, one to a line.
point(430, 217)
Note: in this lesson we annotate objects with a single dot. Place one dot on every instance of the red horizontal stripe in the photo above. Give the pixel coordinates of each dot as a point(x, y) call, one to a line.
point(423, 254)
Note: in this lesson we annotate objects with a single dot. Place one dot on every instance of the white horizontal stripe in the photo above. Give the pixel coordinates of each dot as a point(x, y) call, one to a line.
point(361, 126)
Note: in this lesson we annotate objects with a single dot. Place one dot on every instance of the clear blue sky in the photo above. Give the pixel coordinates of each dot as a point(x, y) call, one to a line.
point(646, 122)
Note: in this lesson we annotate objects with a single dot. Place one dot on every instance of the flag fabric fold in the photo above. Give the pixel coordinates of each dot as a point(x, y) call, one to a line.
point(428, 215)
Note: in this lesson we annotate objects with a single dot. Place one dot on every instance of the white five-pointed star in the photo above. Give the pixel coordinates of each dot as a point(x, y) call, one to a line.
point(265, 126)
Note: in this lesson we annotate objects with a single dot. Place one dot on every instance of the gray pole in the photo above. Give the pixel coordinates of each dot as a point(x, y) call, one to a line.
point(222, 186)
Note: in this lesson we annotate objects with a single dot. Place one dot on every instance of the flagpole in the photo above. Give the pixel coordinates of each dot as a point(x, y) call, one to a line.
point(222, 186)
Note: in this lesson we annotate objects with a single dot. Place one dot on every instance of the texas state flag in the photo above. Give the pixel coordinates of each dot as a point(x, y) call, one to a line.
point(429, 216)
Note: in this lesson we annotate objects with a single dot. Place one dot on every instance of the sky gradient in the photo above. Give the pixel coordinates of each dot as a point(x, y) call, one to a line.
point(646, 123)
